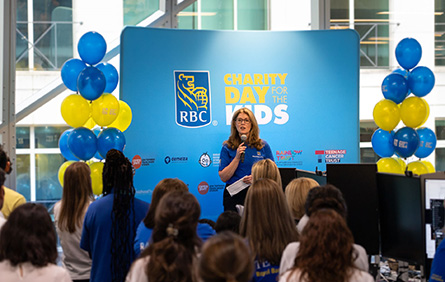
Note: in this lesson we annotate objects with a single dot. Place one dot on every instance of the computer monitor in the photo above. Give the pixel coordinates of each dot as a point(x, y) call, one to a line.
point(402, 224)
point(318, 176)
point(357, 182)
point(287, 175)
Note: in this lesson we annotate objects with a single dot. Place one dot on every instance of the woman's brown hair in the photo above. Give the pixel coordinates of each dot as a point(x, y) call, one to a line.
point(253, 139)
point(163, 187)
point(175, 242)
point(29, 236)
point(326, 250)
point(296, 194)
point(77, 194)
point(225, 258)
point(266, 222)
point(266, 169)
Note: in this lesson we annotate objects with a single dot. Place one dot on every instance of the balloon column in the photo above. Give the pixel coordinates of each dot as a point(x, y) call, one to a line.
point(97, 117)
point(398, 104)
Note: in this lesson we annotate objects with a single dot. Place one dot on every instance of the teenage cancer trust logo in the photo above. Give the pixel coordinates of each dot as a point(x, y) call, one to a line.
point(192, 92)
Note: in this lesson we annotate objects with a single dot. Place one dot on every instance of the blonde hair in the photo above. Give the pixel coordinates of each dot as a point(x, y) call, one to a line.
point(296, 194)
point(266, 169)
point(267, 223)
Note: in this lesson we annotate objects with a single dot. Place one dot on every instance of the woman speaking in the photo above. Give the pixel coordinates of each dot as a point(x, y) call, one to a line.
point(243, 148)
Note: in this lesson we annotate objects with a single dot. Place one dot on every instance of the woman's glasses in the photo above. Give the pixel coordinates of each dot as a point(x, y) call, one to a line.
point(240, 121)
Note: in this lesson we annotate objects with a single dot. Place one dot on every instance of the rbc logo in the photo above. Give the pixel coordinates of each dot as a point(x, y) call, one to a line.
point(192, 96)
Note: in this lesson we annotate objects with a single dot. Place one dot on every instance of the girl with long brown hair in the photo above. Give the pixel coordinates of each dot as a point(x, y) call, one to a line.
point(326, 252)
point(68, 216)
point(268, 227)
point(173, 251)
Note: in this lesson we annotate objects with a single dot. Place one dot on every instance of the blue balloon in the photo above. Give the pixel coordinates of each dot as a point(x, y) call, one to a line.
point(91, 83)
point(63, 146)
point(406, 142)
point(421, 81)
point(111, 76)
point(408, 53)
point(92, 47)
point(427, 144)
point(395, 87)
point(110, 138)
point(83, 143)
point(405, 74)
point(70, 72)
point(383, 143)
point(97, 132)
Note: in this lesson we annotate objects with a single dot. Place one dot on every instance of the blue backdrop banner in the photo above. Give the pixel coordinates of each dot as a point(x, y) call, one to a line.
point(184, 85)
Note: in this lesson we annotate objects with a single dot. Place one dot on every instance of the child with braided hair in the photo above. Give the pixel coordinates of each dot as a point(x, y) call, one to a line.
point(110, 222)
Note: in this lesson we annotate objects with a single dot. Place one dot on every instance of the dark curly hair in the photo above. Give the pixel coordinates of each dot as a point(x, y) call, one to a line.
point(118, 176)
point(325, 197)
point(29, 236)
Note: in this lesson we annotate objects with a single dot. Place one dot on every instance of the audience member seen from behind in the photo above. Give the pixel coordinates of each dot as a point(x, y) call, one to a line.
point(2, 195)
point(69, 214)
point(296, 194)
point(228, 221)
point(326, 252)
point(268, 227)
point(12, 199)
point(322, 197)
point(175, 243)
point(28, 247)
point(266, 169)
point(110, 222)
point(145, 228)
point(225, 257)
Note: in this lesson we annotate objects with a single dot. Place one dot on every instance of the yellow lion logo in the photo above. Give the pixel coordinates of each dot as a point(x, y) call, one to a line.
point(193, 97)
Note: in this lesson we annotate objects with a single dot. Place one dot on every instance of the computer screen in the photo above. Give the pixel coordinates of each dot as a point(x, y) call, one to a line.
point(401, 213)
point(287, 175)
point(357, 182)
point(320, 177)
point(434, 214)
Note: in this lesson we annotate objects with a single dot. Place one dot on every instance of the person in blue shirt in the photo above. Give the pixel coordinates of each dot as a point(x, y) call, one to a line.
point(110, 222)
point(145, 228)
point(238, 156)
point(438, 265)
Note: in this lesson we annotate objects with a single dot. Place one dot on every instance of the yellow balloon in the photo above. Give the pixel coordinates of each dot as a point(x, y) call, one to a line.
point(413, 111)
point(389, 165)
point(96, 177)
point(90, 124)
point(75, 110)
point(402, 163)
point(105, 109)
point(417, 167)
point(429, 166)
point(427, 111)
point(386, 114)
point(62, 169)
point(124, 117)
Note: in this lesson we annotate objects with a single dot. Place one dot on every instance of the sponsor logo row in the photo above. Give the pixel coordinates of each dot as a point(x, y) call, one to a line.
point(282, 157)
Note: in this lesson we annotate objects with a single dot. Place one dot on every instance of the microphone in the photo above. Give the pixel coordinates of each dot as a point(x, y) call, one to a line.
point(243, 138)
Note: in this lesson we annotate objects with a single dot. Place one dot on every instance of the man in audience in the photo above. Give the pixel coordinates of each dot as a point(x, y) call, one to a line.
point(12, 199)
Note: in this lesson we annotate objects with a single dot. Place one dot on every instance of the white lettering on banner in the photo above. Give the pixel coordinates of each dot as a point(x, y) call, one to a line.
point(184, 116)
point(263, 113)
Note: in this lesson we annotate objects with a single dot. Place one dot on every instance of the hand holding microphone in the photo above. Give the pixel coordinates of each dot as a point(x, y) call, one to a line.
point(243, 138)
